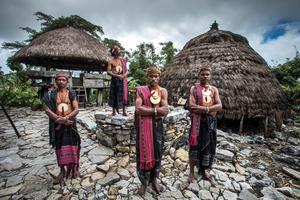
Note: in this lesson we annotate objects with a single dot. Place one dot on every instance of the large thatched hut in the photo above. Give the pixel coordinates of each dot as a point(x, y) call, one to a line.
point(251, 95)
point(65, 48)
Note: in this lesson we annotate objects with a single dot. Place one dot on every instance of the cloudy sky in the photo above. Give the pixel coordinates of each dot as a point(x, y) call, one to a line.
point(271, 26)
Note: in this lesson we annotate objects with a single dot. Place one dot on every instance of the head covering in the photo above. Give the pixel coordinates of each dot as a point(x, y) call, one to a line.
point(62, 74)
point(204, 69)
point(153, 70)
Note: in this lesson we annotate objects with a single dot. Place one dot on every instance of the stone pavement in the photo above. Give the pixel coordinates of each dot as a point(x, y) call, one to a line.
point(28, 165)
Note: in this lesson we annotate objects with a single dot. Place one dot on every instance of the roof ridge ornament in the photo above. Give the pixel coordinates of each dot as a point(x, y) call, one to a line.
point(214, 26)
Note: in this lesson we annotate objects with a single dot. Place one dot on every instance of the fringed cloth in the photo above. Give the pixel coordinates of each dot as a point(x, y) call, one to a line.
point(66, 139)
point(118, 95)
point(202, 138)
point(145, 133)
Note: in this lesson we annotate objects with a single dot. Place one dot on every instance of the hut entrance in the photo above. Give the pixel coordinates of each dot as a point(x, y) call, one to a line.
point(250, 125)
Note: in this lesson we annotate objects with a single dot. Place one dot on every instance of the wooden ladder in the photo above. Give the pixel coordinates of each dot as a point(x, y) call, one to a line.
point(81, 95)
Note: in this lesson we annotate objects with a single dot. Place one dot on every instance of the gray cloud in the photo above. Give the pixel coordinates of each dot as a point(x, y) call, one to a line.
point(134, 21)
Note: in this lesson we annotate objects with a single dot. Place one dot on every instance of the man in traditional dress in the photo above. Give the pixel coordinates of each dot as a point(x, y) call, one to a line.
point(118, 95)
point(204, 102)
point(61, 106)
point(151, 106)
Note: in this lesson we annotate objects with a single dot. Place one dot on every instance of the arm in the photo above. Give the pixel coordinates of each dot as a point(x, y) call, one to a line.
point(163, 109)
point(140, 109)
point(218, 104)
point(49, 112)
point(193, 106)
point(75, 110)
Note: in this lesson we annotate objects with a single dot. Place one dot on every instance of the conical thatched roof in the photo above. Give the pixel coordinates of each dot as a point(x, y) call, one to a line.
point(65, 48)
point(245, 82)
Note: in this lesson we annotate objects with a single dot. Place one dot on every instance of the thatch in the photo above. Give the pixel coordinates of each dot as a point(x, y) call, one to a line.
point(65, 48)
point(245, 82)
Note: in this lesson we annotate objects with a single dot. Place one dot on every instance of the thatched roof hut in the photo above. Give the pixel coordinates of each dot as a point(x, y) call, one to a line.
point(65, 48)
point(248, 90)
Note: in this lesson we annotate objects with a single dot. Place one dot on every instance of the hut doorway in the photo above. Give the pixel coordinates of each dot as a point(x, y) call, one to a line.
point(250, 126)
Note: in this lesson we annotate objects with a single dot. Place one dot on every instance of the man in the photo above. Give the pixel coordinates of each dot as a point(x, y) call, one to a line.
point(204, 104)
point(118, 96)
point(150, 106)
point(61, 107)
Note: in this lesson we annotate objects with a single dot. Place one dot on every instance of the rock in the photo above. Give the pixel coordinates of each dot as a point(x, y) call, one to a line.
point(123, 192)
point(293, 173)
point(103, 167)
point(237, 177)
point(259, 184)
point(109, 179)
point(228, 146)
point(86, 182)
point(123, 149)
point(10, 163)
point(14, 180)
point(205, 195)
point(119, 120)
point(271, 193)
point(245, 186)
point(219, 175)
point(123, 173)
point(180, 165)
point(247, 195)
point(240, 169)
point(182, 154)
point(9, 190)
point(189, 194)
point(101, 115)
point(204, 184)
point(97, 175)
point(236, 186)
point(112, 190)
point(8, 152)
point(101, 150)
point(227, 195)
point(121, 184)
point(172, 152)
point(194, 187)
point(123, 162)
point(224, 155)
point(287, 191)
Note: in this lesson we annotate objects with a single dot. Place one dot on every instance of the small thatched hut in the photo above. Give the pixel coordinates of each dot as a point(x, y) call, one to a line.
point(65, 48)
point(250, 93)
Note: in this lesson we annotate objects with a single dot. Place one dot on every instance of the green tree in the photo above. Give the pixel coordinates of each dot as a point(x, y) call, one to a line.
point(141, 58)
point(288, 75)
point(167, 52)
point(48, 23)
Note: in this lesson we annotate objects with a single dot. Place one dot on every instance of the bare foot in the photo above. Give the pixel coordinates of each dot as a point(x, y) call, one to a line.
point(208, 177)
point(191, 178)
point(125, 113)
point(157, 187)
point(59, 178)
point(142, 190)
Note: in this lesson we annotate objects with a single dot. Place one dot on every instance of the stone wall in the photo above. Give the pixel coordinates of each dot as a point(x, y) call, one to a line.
point(118, 132)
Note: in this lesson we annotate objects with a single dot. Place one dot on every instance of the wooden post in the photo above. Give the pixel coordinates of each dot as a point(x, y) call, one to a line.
point(99, 97)
point(241, 124)
point(266, 126)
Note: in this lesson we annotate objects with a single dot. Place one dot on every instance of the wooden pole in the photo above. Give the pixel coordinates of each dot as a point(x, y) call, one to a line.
point(11, 122)
point(241, 124)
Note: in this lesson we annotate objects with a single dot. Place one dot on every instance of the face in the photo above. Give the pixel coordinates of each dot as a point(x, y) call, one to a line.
point(204, 76)
point(61, 82)
point(153, 79)
point(116, 51)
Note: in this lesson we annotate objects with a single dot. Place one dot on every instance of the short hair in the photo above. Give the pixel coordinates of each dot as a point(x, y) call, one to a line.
point(113, 49)
point(153, 70)
point(205, 69)
point(61, 74)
